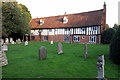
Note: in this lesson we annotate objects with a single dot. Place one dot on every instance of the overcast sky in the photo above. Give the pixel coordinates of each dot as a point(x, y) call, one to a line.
point(45, 8)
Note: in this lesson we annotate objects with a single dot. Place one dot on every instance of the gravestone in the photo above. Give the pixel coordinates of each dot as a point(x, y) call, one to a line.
point(60, 51)
point(2, 41)
point(42, 53)
point(12, 42)
point(3, 59)
point(51, 42)
point(11, 39)
point(26, 43)
point(100, 67)
point(85, 51)
point(18, 41)
point(6, 40)
point(4, 47)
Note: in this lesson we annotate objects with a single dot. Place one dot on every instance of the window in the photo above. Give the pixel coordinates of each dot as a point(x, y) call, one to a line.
point(66, 38)
point(67, 29)
point(32, 37)
point(65, 20)
point(92, 39)
point(83, 37)
point(50, 30)
point(45, 38)
point(76, 38)
point(41, 22)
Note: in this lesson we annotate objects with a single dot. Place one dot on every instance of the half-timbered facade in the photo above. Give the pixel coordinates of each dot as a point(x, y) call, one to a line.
point(72, 28)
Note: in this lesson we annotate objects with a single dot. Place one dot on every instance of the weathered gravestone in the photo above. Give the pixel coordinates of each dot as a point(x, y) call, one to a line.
point(18, 41)
point(3, 59)
point(100, 67)
point(6, 40)
point(85, 51)
point(2, 41)
point(51, 42)
point(11, 40)
point(42, 53)
point(4, 47)
point(60, 51)
point(26, 43)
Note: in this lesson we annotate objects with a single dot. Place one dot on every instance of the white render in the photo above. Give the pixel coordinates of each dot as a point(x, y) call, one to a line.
point(93, 30)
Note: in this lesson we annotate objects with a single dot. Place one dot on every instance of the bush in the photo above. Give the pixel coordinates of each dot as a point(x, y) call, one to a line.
point(107, 35)
point(115, 47)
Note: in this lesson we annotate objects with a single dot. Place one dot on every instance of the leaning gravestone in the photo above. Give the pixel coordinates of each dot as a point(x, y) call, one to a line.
point(60, 51)
point(3, 59)
point(51, 42)
point(100, 66)
point(85, 51)
point(4, 47)
point(26, 43)
point(42, 53)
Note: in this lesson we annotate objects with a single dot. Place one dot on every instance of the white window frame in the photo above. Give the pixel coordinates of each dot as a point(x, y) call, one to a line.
point(92, 39)
point(83, 37)
point(76, 38)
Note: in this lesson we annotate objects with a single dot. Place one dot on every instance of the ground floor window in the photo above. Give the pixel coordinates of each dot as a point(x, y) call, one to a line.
point(32, 37)
point(66, 38)
point(76, 38)
point(92, 39)
point(45, 38)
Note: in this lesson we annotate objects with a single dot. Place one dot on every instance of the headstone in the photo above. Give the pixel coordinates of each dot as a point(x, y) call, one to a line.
point(4, 47)
point(42, 53)
point(6, 40)
point(11, 40)
point(2, 41)
point(60, 51)
point(18, 41)
point(100, 67)
point(26, 43)
point(85, 51)
point(51, 42)
point(3, 59)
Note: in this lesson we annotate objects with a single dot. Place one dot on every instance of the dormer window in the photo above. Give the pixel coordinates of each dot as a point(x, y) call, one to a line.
point(65, 20)
point(41, 22)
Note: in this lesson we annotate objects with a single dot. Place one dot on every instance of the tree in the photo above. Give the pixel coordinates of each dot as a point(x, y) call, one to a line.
point(115, 48)
point(115, 27)
point(15, 20)
point(107, 35)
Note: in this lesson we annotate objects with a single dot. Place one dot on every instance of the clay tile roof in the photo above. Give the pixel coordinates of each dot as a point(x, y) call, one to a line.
point(74, 20)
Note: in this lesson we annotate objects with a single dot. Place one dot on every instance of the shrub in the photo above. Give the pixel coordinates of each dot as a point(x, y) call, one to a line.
point(107, 35)
point(115, 47)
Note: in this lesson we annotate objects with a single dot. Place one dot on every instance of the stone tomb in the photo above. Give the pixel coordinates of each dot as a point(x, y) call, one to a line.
point(42, 53)
point(3, 59)
point(100, 67)
point(4, 47)
point(26, 43)
point(60, 51)
point(85, 51)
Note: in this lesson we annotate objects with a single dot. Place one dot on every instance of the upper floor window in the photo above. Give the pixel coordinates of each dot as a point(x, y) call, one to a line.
point(41, 22)
point(67, 29)
point(65, 20)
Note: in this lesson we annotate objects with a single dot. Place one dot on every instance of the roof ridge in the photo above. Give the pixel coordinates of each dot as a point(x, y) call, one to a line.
point(69, 14)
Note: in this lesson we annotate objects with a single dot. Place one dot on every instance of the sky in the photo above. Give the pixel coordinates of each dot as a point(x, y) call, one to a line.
point(45, 8)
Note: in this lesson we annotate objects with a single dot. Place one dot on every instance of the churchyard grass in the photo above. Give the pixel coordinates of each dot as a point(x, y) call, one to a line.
point(23, 61)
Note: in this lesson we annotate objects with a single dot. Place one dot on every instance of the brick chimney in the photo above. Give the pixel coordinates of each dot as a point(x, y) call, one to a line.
point(104, 16)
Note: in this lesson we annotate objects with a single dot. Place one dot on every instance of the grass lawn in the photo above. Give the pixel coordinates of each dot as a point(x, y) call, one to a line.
point(23, 61)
